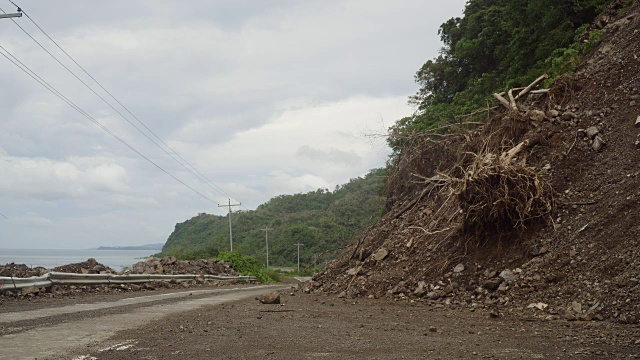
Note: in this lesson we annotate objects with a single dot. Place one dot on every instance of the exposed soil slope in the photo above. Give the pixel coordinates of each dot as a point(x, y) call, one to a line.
point(580, 261)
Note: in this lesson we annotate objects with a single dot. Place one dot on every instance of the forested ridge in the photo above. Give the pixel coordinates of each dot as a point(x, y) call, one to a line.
point(322, 220)
point(497, 45)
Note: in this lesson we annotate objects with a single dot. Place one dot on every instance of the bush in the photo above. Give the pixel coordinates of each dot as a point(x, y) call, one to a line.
point(248, 266)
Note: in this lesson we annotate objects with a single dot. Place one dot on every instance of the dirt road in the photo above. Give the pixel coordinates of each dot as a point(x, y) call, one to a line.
point(232, 325)
point(57, 329)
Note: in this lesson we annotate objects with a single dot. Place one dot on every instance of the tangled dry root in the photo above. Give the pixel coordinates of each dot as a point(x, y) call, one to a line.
point(498, 195)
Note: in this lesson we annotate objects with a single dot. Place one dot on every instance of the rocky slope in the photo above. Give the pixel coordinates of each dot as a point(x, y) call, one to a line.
point(580, 261)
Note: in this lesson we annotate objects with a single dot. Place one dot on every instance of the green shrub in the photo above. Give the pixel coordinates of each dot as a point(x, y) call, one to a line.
point(247, 265)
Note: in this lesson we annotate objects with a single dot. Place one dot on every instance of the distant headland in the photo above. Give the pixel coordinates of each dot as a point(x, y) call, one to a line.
point(139, 247)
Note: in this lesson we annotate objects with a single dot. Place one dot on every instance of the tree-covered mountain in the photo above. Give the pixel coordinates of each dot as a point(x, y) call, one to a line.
point(322, 220)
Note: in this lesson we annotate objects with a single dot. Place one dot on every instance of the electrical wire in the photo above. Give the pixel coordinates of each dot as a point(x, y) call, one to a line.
point(57, 93)
point(4, 216)
point(190, 168)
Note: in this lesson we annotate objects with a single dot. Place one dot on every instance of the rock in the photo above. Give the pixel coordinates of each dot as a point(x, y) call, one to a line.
point(553, 113)
point(592, 132)
point(541, 251)
point(490, 273)
point(459, 268)
point(576, 307)
point(638, 122)
point(432, 295)
point(381, 254)
point(135, 287)
point(433, 329)
point(632, 282)
point(270, 298)
point(537, 115)
point(568, 116)
point(598, 143)
point(539, 306)
point(30, 290)
point(493, 284)
point(421, 289)
point(508, 276)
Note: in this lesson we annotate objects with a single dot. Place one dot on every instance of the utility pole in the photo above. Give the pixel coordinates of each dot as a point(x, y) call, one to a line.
point(230, 232)
point(298, 245)
point(266, 239)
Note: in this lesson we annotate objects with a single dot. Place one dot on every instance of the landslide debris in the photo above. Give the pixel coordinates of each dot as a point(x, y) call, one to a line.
point(553, 233)
point(162, 266)
point(172, 266)
point(91, 266)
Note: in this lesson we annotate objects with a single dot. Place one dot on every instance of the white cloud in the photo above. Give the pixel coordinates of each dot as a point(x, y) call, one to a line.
point(264, 98)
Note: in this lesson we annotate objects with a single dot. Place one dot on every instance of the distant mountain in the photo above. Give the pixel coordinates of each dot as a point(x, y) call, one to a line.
point(157, 246)
point(324, 221)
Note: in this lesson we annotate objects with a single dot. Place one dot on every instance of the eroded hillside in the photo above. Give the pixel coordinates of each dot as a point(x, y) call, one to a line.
point(558, 233)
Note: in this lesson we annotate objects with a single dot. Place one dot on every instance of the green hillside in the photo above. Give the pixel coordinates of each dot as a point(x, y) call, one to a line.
point(497, 45)
point(322, 220)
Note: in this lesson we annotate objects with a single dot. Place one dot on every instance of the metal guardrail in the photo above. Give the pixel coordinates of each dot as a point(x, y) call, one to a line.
point(59, 278)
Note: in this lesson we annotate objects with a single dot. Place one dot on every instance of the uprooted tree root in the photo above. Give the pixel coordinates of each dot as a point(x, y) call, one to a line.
point(497, 195)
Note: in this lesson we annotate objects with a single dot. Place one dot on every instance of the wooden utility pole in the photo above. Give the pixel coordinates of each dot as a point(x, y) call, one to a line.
point(266, 239)
point(298, 245)
point(230, 232)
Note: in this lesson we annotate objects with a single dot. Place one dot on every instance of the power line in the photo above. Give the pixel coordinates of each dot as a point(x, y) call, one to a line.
point(57, 93)
point(190, 168)
point(3, 216)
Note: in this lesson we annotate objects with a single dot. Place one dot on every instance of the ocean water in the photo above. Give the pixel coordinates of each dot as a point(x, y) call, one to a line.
point(49, 258)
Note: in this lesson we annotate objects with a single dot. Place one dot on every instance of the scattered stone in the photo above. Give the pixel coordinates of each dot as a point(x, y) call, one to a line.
point(30, 290)
point(539, 306)
point(433, 329)
point(459, 268)
point(537, 115)
point(493, 284)
point(432, 295)
point(381, 254)
point(638, 122)
point(598, 143)
point(508, 276)
point(541, 251)
point(592, 132)
point(576, 307)
point(490, 273)
point(568, 116)
point(553, 113)
point(269, 298)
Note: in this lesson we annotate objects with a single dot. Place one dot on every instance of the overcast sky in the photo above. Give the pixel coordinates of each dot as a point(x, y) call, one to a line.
point(262, 97)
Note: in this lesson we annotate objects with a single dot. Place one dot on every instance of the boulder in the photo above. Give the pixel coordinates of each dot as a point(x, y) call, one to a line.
point(269, 298)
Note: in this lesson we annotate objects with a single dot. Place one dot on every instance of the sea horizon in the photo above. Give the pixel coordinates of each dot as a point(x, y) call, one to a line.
point(50, 258)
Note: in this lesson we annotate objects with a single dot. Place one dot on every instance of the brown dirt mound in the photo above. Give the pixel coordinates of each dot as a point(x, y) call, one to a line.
point(585, 265)
point(91, 266)
point(171, 266)
point(20, 271)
